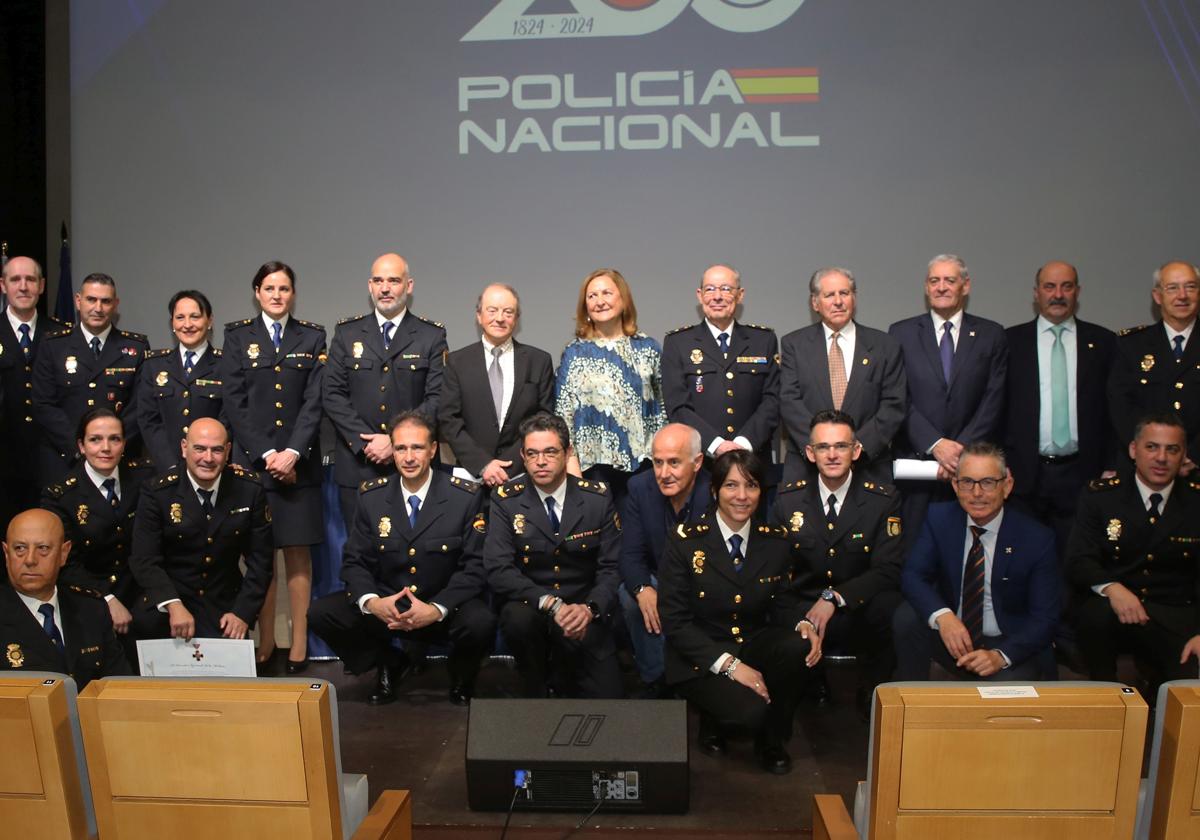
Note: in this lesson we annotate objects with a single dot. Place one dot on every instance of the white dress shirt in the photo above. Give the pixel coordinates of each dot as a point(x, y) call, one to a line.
point(17, 322)
point(103, 336)
point(1186, 332)
point(955, 327)
point(198, 352)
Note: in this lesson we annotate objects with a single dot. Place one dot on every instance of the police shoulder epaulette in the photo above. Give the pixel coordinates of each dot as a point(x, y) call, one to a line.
point(243, 473)
point(372, 483)
point(157, 354)
point(430, 321)
point(510, 489)
point(600, 488)
point(756, 327)
point(773, 531)
point(688, 532)
point(56, 491)
point(680, 329)
point(71, 482)
point(1132, 330)
point(83, 590)
point(171, 477)
point(139, 463)
point(216, 351)
point(350, 318)
point(1194, 482)
point(235, 325)
point(60, 333)
point(309, 324)
point(463, 484)
point(1104, 483)
point(793, 485)
point(874, 487)
point(134, 336)
point(58, 322)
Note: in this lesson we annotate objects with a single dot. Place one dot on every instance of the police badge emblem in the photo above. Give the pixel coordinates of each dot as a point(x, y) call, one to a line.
point(82, 514)
point(1147, 362)
point(697, 356)
point(176, 512)
point(797, 521)
point(893, 526)
point(252, 351)
point(1113, 529)
point(71, 364)
point(519, 524)
point(356, 349)
point(698, 562)
point(161, 379)
point(385, 526)
point(16, 657)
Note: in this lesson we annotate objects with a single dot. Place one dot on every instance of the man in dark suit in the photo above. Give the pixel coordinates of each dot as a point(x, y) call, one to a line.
point(676, 492)
point(487, 391)
point(193, 524)
point(413, 569)
point(1157, 367)
point(21, 333)
point(846, 532)
point(45, 627)
point(551, 558)
point(841, 365)
point(721, 377)
point(380, 364)
point(955, 364)
point(76, 369)
point(1055, 438)
point(1132, 558)
point(982, 583)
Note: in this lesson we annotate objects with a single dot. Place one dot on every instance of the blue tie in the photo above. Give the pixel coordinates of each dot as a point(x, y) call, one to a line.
point(946, 349)
point(735, 552)
point(414, 504)
point(723, 340)
point(277, 335)
point(550, 513)
point(388, 326)
point(26, 344)
point(47, 611)
point(110, 490)
point(95, 345)
point(189, 361)
point(1178, 347)
point(206, 501)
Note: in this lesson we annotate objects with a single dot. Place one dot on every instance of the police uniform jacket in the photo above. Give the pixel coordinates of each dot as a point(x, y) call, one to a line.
point(441, 559)
point(273, 399)
point(707, 608)
point(178, 553)
point(168, 403)
point(525, 559)
point(101, 535)
point(16, 396)
point(1113, 541)
point(365, 385)
point(1145, 378)
point(720, 395)
point(859, 557)
point(68, 379)
point(91, 648)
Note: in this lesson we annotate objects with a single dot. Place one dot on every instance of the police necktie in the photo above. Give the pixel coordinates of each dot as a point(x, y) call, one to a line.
point(723, 341)
point(831, 512)
point(24, 341)
point(1060, 400)
point(1178, 347)
point(47, 611)
point(277, 335)
point(206, 501)
point(551, 514)
point(1155, 510)
point(388, 326)
point(95, 345)
point(735, 552)
point(189, 362)
point(972, 587)
point(946, 350)
point(110, 490)
point(414, 507)
point(496, 383)
point(837, 371)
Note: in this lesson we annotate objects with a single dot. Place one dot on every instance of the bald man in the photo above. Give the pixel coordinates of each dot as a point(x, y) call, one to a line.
point(194, 522)
point(380, 364)
point(1157, 368)
point(43, 627)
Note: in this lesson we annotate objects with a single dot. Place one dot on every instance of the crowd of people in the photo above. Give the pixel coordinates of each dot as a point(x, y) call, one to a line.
point(997, 501)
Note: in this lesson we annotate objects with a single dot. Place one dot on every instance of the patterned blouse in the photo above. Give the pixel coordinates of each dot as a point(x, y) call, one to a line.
point(610, 394)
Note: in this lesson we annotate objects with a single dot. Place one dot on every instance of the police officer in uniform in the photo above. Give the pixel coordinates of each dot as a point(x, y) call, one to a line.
point(551, 555)
point(46, 627)
point(380, 364)
point(193, 523)
point(413, 568)
point(1132, 557)
point(78, 368)
point(182, 384)
point(721, 377)
point(1157, 367)
point(847, 536)
point(21, 333)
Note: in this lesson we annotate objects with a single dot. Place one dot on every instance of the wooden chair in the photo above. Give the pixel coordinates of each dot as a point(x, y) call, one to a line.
point(1171, 806)
point(43, 780)
point(228, 759)
point(945, 762)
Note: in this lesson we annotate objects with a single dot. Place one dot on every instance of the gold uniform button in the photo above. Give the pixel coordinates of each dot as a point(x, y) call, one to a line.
point(279, 405)
point(737, 631)
point(444, 548)
point(385, 368)
point(28, 402)
point(832, 552)
point(278, 386)
point(738, 640)
point(733, 616)
point(413, 589)
point(556, 569)
point(729, 410)
point(382, 387)
point(186, 412)
point(525, 560)
point(1177, 405)
point(278, 422)
point(556, 586)
point(185, 429)
point(412, 570)
point(412, 552)
point(1149, 556)
point(729, 393)
point(112, 578)
point(28, 419)
point(91, 402)
point(383, 408)
point(91, 384)
point(1179, 386)
point(737, 599)
point(700, 594)
point(200, 592)
point(210, 540)
point(729, 429)
point(186, 394)
point(278, 369)
point(204, 575)
point(729, 375)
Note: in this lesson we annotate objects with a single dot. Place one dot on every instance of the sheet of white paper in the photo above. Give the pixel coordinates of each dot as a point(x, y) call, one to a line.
point(197, 658)
point(992, 692)
point(911, 469)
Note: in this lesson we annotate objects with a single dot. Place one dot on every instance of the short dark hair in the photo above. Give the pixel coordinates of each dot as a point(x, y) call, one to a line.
point(270, 268)
point(190, 294)
point(97, 277)
point(984, 449)
point(746, 461)
point(544, 421)
point(1158, 418)
point(832, 415)
point(95, 414)
point(414, 418)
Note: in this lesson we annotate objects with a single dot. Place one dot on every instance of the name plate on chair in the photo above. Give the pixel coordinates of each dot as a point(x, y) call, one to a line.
point(994, 692)
point(196, 658)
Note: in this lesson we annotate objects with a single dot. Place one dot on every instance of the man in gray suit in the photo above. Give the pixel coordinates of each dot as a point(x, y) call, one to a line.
point(838, 364)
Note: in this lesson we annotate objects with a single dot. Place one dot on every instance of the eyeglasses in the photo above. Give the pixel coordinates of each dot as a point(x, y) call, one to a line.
point(1176, 288)
point(389, 281)
point(493, 311)
point(550, 454)
point(840, 448)
point(987, 485)
point(713, 291)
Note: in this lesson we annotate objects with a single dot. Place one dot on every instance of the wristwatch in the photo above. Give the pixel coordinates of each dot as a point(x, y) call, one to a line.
point(591, 605)
point(827, 594)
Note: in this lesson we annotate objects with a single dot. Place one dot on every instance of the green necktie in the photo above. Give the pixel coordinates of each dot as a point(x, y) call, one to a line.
point(1060, 399)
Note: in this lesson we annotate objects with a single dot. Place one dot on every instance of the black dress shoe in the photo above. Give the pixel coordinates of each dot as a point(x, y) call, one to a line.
point(712, 742)
point(296, 667)
point(386, 678)
point(775, 759)
point(460, 694)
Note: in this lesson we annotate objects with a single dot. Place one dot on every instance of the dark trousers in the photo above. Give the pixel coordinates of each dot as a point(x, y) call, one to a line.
point(348, 502)
point(584, 667)
point(1053, 498)
point(149, 623)
point(1156, 645)
point(363, 642)
point(866, 632)
point(779, 654)
point(917, 645)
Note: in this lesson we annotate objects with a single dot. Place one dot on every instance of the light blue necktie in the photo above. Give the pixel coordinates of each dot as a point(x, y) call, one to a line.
point(1060, 399)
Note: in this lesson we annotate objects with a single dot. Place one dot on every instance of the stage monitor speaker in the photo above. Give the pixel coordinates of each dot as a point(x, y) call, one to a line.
point(565, 755)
